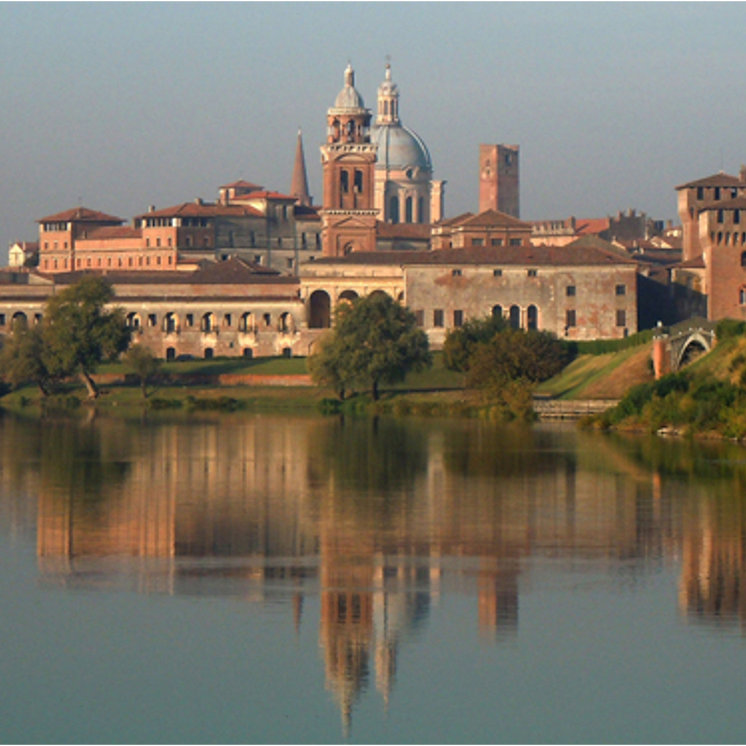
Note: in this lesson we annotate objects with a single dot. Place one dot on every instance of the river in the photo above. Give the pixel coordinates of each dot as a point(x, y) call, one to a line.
point(315, 580)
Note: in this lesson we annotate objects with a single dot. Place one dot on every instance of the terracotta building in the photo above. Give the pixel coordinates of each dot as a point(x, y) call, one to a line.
point(499, 185)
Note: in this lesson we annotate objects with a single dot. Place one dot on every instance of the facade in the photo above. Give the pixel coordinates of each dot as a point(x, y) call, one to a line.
point(499, 185)
point(490, 228)
point(576, 292)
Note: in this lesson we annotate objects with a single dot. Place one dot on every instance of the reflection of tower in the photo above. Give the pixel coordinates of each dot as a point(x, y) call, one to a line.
point(498, 179)
point(346, 629)
point(497, 593)
point(348, 159)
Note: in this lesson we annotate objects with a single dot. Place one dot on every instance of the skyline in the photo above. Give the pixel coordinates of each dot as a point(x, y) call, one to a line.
point(119, 106)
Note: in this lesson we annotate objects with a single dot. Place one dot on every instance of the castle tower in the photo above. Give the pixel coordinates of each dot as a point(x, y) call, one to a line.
point(498, 179)
point(348, 215)
point(299, 184)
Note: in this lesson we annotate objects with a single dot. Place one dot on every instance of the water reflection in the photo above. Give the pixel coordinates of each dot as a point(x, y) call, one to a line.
point(376, 519)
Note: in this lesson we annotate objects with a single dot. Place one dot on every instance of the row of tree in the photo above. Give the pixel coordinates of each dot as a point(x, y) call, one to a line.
point(76, 334)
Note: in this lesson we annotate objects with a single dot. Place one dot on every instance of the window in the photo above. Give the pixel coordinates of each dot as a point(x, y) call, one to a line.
point(700, 193)
point(358, 181)
point(344, 182)
point(717, 192)
point(152, 319)
point(209, 352)
point(531, 273)
point(497, 242)
point(458, 317)
point(515, 241)
point(497, 273)
point(455, 273)
point(621, 317)
point(189, 319)
point(720, 216)
point(570, 317)
point(438, 317)
point(742, 296)
point(736, 216)
point(2, 319)
point(227, 319)
point(248, 352)
point(419, 317)
point(570, 291)
point(477, 242)
point(620, 290)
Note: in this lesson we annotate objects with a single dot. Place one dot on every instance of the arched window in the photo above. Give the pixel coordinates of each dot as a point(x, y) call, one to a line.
point(247, 322)
point(170, 353)
point(319, 310)
point(742, 296)
point(170, 323)
point(344, 181)
point(743, 259)
point(394, 209)
point(532, 317)
point(358, 181)
point(515, 317)
point(207, 324)
point(497, 312)
point(408, 210)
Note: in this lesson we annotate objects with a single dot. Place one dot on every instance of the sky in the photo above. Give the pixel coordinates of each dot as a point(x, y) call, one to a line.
point(121, 106)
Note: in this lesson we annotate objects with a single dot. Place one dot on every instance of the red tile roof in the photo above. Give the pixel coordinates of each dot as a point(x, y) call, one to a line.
point(720, 179)
point(587, 226)
point(80, 215)
point(264, 195)
point(491, 219)
point(698, 262)
point(241, 184)
point(201, 210)
point(113, 231)
point(403, 230)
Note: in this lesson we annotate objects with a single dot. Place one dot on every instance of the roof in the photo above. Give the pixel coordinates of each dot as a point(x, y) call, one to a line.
point(241, 184)
point(456, 219)
point(201, 209)
point(514, 255)
point(698, 262)
point(232, 271)
point(264, 194)
point(720, 179)
point(403, 230)
point(80, 215)
point(586, 226)
point(490, 219)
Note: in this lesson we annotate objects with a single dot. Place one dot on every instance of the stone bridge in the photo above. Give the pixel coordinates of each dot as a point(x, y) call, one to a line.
point(679, 344)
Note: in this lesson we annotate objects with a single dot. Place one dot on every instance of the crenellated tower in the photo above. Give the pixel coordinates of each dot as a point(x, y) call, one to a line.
point(348, 162)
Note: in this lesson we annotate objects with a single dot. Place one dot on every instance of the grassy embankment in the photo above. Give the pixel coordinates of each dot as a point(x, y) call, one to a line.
point(707, 398)
point(186, 387)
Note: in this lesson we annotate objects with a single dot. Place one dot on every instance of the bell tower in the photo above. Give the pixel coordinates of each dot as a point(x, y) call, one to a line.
point(348, 215)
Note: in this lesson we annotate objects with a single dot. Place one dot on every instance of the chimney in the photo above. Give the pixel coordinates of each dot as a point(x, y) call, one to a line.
point(742, 173)
point(151, 208)
point(198, 200)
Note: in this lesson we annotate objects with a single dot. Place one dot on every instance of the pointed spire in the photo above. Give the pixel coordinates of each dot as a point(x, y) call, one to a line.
point(299, 184)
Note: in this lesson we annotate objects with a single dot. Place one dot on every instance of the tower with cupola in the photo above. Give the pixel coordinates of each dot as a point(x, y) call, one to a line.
point(348, 161)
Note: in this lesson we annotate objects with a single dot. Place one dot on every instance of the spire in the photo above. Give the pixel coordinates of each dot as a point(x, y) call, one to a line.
point(299, 185)
point(388, 100)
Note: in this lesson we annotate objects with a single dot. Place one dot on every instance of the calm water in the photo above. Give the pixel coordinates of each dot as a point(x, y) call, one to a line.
point(276, 579)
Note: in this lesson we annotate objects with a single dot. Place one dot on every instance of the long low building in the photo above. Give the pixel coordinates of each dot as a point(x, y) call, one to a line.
point(237, 308)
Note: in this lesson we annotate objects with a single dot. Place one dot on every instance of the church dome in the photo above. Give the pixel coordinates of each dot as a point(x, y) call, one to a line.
point(348, 97)
point(399, 148)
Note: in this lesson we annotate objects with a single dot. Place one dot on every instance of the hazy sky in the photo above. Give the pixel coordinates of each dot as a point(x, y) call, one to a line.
point(119, 106)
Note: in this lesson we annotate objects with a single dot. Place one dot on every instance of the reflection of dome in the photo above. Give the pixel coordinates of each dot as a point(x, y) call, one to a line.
point(399, 147)
point(348, 97)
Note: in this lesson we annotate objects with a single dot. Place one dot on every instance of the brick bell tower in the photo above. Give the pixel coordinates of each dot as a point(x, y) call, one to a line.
point(498, 179)
point(348, 215)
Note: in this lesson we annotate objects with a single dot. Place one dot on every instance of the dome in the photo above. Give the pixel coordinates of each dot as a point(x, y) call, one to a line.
point(348, 97)
point(399, 147)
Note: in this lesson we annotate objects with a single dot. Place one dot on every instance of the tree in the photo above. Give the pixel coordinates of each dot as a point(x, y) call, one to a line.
point(22, 358)
point(374, 340)
point(460, 342)
point(79, 333)
point(144, 365)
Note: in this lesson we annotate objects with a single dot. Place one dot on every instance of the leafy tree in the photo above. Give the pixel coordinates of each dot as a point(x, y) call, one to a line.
point(374, 340)
point(143, 364)
point(22, 358)
point(514, 354)
point(460, 342)
point(79, 333)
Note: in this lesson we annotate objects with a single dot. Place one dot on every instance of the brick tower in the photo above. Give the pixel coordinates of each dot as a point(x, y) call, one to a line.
point(348, 215)
point(498, 179)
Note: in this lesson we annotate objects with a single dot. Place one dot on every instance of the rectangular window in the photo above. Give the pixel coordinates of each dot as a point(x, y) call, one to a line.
point(621, 317)
point(228, 319)
point(458, 317)
point(515, 241)
point(189, 320)
point(152, 320)
point(477, 242)
point(532, 273)
point(438, 317)
point(420, 317)
point(2, 319)
point(736, 216)
point(570, 291)
point(456, 273)
point(497, 273)
point(497, 242)
point(700, 193)
point(621, 290)
point(570, 317)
